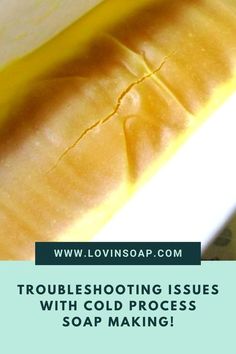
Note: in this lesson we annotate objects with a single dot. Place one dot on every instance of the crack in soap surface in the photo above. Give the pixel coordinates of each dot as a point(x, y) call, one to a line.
point(109, 116)
point(163, 85)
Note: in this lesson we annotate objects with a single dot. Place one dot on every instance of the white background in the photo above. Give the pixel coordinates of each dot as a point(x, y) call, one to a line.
point(192, 196)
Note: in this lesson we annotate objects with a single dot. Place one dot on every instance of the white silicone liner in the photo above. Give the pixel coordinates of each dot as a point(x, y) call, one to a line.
point(27, 24)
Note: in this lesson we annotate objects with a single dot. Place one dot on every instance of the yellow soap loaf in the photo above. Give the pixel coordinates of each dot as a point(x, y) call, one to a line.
point(90, 116)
